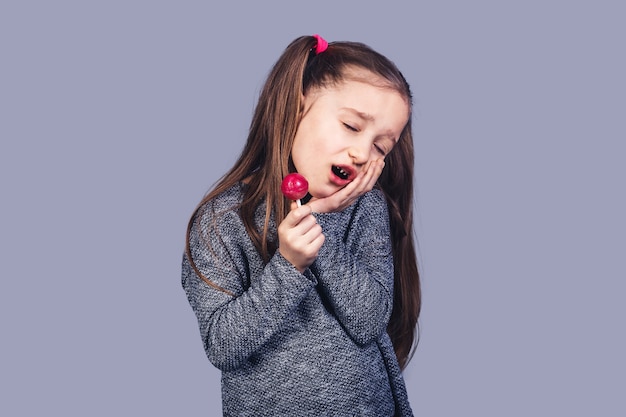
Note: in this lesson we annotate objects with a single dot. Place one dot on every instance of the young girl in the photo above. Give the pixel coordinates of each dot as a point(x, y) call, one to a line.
point(312, 310)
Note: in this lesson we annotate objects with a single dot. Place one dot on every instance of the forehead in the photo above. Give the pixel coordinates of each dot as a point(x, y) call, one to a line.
point(353, 76)
point(353, 73)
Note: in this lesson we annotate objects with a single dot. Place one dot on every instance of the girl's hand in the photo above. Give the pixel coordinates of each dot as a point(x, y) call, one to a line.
point(300, 237)
point(343, 198)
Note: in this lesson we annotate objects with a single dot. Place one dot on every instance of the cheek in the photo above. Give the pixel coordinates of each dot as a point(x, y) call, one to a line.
point(315, 141)
point(304, 146)
point(298, 153)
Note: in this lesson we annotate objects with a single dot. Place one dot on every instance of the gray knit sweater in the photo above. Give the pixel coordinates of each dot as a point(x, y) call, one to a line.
point(292, 344)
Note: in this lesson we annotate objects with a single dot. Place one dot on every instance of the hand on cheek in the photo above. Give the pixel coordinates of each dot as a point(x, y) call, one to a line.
point(363, 183)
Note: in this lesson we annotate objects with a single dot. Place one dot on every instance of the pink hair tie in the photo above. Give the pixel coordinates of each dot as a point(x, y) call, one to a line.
point(321, 44)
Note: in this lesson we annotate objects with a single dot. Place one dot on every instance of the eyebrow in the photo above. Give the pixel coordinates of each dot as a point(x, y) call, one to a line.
point(362, 115)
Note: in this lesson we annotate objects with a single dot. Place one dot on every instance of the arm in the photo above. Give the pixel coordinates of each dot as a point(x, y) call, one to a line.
point(356, 275)
point(233, 327)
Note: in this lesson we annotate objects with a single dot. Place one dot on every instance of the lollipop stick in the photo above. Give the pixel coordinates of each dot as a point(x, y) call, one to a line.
point(298, 203)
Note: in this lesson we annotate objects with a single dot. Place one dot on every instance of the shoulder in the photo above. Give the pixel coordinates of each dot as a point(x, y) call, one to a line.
point(227, 200)
point(372, 203)
point(366, 216)
point(221, 212)
point(375, 197)
point(371, 216)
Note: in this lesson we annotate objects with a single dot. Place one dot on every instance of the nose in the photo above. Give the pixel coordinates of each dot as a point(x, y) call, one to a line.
point(359, 153)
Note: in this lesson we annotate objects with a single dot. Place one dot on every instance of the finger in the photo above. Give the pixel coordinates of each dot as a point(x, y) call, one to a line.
point(375, 169)
point(370, 174)
point(312, 234)
point(296, 215)
point(364, 182)
point(305, 225)
point(317, 243)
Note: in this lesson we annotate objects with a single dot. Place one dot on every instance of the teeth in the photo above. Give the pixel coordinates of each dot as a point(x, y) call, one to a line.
point(341, 172)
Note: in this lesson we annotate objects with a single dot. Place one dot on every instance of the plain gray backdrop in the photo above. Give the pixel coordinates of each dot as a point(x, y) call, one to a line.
point(117, 116)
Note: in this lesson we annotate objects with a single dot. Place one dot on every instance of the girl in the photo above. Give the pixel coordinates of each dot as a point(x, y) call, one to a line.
point(312, 310)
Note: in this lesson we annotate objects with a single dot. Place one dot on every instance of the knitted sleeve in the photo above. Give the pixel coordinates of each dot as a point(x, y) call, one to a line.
point(354, 267)
point(234, 326)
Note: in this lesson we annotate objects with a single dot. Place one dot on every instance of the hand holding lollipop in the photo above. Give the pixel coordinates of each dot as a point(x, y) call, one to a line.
point(294, 187)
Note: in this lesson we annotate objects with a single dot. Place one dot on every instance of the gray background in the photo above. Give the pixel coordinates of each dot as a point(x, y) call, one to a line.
point(117, 116)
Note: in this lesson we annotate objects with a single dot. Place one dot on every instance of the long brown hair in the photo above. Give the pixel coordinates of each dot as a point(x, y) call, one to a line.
point(265, 160)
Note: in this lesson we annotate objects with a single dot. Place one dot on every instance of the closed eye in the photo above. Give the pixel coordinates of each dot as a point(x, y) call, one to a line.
point(351, 128)
point(380, 150)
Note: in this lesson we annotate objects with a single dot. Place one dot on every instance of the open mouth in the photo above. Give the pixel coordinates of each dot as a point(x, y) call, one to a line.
point(340, 172)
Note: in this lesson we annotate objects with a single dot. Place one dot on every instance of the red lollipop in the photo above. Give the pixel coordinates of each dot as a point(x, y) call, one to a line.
point(294, 187)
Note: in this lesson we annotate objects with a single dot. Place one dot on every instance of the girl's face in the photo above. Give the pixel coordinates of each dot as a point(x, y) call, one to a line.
point(342, 128)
